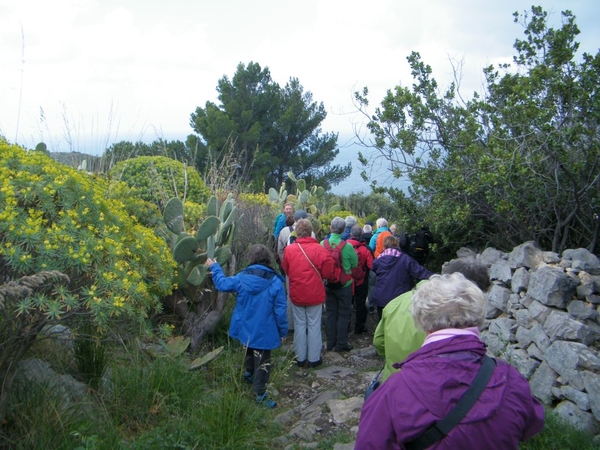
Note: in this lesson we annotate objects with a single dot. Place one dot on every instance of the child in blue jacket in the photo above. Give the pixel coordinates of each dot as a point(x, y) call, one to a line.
point(259, 319)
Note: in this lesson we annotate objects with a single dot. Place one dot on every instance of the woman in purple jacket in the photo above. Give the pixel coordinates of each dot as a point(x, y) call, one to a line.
point(396, 272)
point(450, 309)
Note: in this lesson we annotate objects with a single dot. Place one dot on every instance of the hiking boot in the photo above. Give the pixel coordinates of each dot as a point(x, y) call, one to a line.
point(345, 348)
point(313, 364)
point(359, 330)
point(249, 377)
point(300, 363)
point(263, 400)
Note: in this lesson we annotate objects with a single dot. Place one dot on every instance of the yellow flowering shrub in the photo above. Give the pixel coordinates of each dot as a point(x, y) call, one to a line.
point(53, 217)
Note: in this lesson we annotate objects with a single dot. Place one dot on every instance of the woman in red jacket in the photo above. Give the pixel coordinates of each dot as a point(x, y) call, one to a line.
point(306, 263)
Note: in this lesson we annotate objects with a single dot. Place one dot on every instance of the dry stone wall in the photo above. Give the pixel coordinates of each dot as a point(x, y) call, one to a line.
point(543, 316)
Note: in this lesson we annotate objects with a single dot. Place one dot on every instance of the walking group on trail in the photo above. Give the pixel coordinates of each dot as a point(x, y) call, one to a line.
point(439, 388)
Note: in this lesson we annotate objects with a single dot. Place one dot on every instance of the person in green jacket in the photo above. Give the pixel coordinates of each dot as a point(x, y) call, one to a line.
point(338, 300)
point(397, 336)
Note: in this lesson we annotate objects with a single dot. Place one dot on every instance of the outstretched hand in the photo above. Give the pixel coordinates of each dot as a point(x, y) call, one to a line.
point(209, 262)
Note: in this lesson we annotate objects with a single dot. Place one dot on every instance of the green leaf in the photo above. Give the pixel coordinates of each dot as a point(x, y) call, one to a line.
point(176, 345)
point(173, 215)
point(199, 362)
point(185, 250)
point(208, 227)
point(223, 254)
point(212, 207)
point(197, 275)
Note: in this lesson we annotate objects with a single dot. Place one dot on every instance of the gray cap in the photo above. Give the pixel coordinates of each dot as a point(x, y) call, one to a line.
point(300, 214)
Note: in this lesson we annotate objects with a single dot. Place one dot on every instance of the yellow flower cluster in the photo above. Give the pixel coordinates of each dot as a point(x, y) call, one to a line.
point(57, 218)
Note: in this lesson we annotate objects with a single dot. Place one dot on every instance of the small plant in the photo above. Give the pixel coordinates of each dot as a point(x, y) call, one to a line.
point(90, 357)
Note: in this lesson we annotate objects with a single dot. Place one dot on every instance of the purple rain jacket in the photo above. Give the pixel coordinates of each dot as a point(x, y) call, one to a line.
point(396, 274)
point(430, 383)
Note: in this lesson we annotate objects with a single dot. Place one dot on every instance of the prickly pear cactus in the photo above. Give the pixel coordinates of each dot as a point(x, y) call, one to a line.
point(212, 239)
point(309, 199)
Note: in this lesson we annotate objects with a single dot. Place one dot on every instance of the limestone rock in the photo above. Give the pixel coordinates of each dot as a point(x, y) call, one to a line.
point(491, 256)
point(551, 286)
point(498, 297)
point(591, 381)
point(560, 325)
point(582, 259)
point(542, 382)
point(344, 410)
point(501, 271)
point(520, 280)
point(571, 414)
point(526, 255)
point(581, 310)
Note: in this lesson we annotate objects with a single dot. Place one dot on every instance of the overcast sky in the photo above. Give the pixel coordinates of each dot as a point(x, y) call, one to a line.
point(110, 70)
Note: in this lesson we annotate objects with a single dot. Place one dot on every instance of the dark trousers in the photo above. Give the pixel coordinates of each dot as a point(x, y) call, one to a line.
point(379, 312)
point(360, 297)
point(258, 363)
point(338, 312)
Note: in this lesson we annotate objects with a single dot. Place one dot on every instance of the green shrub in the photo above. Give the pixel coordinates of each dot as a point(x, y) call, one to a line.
point(158, 178)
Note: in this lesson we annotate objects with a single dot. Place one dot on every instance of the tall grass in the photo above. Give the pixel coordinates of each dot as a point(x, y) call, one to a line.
point(146, 403)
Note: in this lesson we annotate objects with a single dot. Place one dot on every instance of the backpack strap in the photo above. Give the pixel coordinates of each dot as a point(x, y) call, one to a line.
point(328, 246)
point(441, 428)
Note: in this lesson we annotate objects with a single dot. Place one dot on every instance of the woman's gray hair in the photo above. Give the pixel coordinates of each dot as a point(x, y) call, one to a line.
point(381, 222)
point(448, 301)
point(303, 228)
point(338, 225)
point(356, 231)
point(350, 221)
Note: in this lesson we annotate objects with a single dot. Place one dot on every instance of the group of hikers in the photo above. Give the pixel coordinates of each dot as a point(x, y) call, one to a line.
point(427, 331)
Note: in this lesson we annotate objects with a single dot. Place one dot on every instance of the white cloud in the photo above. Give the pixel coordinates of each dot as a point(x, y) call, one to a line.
point(152, 63)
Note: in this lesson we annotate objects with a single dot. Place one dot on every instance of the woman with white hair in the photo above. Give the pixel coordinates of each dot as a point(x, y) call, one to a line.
point(450, 309)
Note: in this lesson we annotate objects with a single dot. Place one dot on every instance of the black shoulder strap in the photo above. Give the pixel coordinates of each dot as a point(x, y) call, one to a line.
point(440, 429)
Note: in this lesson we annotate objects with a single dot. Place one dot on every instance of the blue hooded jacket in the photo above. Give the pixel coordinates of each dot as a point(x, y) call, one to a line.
point(259, 318)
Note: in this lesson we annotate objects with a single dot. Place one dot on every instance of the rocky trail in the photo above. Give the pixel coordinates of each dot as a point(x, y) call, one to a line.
point(321, 406)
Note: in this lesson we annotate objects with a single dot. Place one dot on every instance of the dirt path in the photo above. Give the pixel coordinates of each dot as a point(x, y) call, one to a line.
point(322, 405)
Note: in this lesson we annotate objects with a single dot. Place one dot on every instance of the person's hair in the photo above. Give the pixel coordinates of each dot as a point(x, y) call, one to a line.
point(390, 242)
point(471, 269)
point(300, 214)
point(356, 231)
point(448, 301)
point(289, 220)
point(260, 254)
point(381, 222)
point(303, 228)
point(350, 221)
point(393, 227)
point(337, 225)
point(367, 228)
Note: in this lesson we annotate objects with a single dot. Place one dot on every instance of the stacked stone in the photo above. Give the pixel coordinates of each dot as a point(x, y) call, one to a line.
point(544, 318)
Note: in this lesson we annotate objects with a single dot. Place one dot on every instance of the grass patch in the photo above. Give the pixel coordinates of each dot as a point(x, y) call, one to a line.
point(559, 435)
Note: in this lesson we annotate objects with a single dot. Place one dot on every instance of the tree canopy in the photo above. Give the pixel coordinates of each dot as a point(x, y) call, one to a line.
point(123, 150)
point(272, 131)
point(520, 162)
